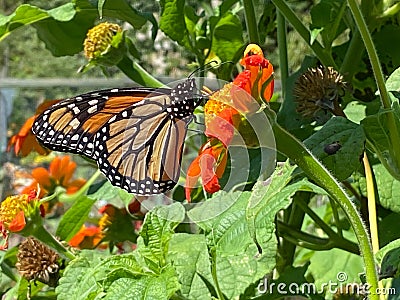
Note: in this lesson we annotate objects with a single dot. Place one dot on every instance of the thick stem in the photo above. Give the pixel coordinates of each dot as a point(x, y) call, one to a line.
point(45, 237)
point(394, 135)
point(251, 22)
point(135, 72)
point(295, 150)
point(283, 58)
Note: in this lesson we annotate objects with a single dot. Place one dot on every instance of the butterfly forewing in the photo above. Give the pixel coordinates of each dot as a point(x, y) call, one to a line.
point(135, 135)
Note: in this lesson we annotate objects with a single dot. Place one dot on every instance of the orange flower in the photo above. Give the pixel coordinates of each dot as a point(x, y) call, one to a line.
point(60, 173)
point(24, 141)
point(224, 114)
point(257, 74)
point(209, 165)
point(16, 212)
point(87, 238)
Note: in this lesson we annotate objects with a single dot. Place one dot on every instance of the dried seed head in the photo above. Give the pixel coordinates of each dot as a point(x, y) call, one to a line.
point(38, 262)
point(318, 89)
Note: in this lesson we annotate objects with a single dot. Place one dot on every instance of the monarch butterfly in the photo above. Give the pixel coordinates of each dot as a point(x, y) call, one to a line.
point(135, 135)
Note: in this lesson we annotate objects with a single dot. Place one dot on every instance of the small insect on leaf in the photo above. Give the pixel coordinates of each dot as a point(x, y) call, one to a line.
point(332, 148)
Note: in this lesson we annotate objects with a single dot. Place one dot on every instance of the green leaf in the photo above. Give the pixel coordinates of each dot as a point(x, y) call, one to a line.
point(350, 139)
point(328, 266)
point(267, 200)
point(324, 16)
point(383, 251)
point(112, 194)
point(236, 256)
point(157, 230)
point(227, 40)
point(26, 14)
point(377, 133)
point(145, 287)
point(80, 277)
point(172, 22)
point(387, 42)
point(387, 228)
point(393, 82)
point(74, 218)
point(388, 188)
point(189, 255)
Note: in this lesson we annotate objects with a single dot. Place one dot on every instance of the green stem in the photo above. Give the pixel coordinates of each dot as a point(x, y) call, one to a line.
point(316, 219)
point(135, 72)
point(352, 57)
point(394, 134)
point(336, 217)
point(44, 236)
point(295, 220)
point(295, 150)
point(312, 242)
point(82, 191)
point(316, 47)
point(214, 274)
point(283, 54)
point(251, 22)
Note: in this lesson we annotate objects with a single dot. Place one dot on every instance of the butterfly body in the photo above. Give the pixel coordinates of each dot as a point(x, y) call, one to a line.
point(135, 135)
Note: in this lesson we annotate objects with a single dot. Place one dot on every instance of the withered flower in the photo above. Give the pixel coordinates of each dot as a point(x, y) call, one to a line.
point(319, 90)
point(38, 262)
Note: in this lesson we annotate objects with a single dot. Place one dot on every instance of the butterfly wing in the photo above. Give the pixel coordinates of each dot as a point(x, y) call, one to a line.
point(135, 140)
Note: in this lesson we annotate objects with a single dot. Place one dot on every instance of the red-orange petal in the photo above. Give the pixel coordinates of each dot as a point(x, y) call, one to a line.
point(42, 176)
point(212, 185)
point(18, 223)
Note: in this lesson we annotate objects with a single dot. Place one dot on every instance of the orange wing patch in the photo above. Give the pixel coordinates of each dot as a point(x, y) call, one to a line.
point(112, 107)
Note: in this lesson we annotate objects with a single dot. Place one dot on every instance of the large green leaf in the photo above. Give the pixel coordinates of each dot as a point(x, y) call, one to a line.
point(74, 218)
point(26, 14)
point(80, 277)
point(335, 266)
point(339, 133)
point(224, 221)
point(172, 22)
point(149, 286)
point(189, 256)
point(376, 131)
point(388, 189)
point(227, 37)
point(267, 200)
point(156, 232)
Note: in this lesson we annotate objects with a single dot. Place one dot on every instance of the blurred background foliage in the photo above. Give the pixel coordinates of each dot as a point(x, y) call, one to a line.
point(24, 56)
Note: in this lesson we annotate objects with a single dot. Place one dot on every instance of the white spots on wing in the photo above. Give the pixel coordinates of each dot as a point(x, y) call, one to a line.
point(76, 110)
point(124, 114)
point(75, 137)
point(93, 102)
point(114, 90)
point(75, 123)
point(92, 109)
